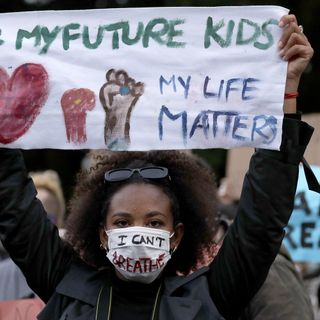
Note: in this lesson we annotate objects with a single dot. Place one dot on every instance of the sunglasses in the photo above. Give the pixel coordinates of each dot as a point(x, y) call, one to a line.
point(122, 174)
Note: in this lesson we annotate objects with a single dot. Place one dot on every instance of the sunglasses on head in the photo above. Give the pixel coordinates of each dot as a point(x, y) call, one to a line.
point(122, 174)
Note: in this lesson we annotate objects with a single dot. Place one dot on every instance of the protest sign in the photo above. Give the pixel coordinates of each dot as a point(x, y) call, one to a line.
point(238, 159)
point(303, 231)
point(139, 79)
point(312, 153)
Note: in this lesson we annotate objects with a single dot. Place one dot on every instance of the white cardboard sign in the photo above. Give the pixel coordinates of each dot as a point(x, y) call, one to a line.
point(139, 79)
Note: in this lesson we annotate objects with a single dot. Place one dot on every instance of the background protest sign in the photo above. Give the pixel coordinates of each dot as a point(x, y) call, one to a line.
point(139, 79)
point(238, 159)
point(303, 231)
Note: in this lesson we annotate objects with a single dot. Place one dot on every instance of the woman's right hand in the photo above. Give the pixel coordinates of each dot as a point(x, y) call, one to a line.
point(294, 48)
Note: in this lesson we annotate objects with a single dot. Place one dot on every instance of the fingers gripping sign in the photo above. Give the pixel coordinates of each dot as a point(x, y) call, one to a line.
point(295, 48)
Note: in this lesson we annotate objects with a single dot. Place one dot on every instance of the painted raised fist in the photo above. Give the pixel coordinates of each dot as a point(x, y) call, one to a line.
point(118, 96)
point(75, 103)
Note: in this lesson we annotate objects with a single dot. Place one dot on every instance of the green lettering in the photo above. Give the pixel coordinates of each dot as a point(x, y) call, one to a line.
point(86, 38)
point(253, 37)
point(173, 33)
point(36, 33)
point(126, 31)
point(48, 37)
point(67, 37)
point(115, 37)
point(1, 41)
point(211, 31)
point(155, 35)
point(265, 32)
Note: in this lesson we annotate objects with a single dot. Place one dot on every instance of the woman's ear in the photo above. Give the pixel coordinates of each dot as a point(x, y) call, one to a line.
point(177, 237)
point(103, 238)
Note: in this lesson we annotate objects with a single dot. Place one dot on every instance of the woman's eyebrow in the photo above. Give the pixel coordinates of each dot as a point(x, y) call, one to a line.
point(155, 213)
point(122, 214)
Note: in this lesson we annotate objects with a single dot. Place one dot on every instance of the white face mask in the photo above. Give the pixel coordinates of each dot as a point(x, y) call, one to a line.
point(139, 253)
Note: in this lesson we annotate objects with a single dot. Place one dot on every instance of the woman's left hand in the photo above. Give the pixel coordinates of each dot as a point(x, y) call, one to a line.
point(294, 48)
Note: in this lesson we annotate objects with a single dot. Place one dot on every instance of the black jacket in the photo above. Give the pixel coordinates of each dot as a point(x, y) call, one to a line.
point(71, 288)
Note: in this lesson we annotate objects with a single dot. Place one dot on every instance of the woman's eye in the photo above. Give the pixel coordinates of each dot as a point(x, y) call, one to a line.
point(121, 223)
point(155, 224)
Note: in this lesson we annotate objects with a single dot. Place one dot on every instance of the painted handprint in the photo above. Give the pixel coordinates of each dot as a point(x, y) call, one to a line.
point(75, 103)
point(118, 96)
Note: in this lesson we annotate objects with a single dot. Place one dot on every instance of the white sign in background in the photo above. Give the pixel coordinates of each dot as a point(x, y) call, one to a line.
point(139, 79)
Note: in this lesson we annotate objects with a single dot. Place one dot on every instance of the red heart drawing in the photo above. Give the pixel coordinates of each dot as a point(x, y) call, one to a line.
point(21, 98)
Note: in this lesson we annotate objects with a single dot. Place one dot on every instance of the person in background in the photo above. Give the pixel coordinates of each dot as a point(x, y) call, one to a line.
point(49, 191)
point(283, 294)
point(310, 273)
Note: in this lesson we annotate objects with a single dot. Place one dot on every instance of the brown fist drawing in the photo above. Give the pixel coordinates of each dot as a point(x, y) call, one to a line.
point(75, 104)
point(118, 96)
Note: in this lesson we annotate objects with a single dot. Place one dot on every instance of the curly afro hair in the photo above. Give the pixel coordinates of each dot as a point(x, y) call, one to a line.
point(191, 191)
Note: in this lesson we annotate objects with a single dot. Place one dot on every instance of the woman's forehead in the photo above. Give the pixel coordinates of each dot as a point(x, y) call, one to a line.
point(137, 197)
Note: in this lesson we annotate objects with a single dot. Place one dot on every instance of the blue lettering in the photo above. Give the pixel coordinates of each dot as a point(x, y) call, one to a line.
point(182, 115)
point(246, 88)
point(163, 80)
point(207, 94)
point(205, 88)
point(229, 86)
point(202, 122)
point(185, 85)
point(243, 86)
point(238, 124)
point(270, 123)
point(230, 124)
point(228, 115)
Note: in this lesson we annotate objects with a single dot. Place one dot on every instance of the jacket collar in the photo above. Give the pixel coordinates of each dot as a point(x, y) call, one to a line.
point(83, 282)
point(175, 282)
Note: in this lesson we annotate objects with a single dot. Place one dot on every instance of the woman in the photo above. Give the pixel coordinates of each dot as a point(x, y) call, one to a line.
point(139, 218)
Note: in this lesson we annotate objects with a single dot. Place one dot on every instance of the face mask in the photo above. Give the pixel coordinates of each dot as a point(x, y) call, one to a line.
point(139, 253)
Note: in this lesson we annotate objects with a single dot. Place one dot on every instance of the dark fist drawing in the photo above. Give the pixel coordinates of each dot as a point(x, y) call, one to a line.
point(118, 96)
